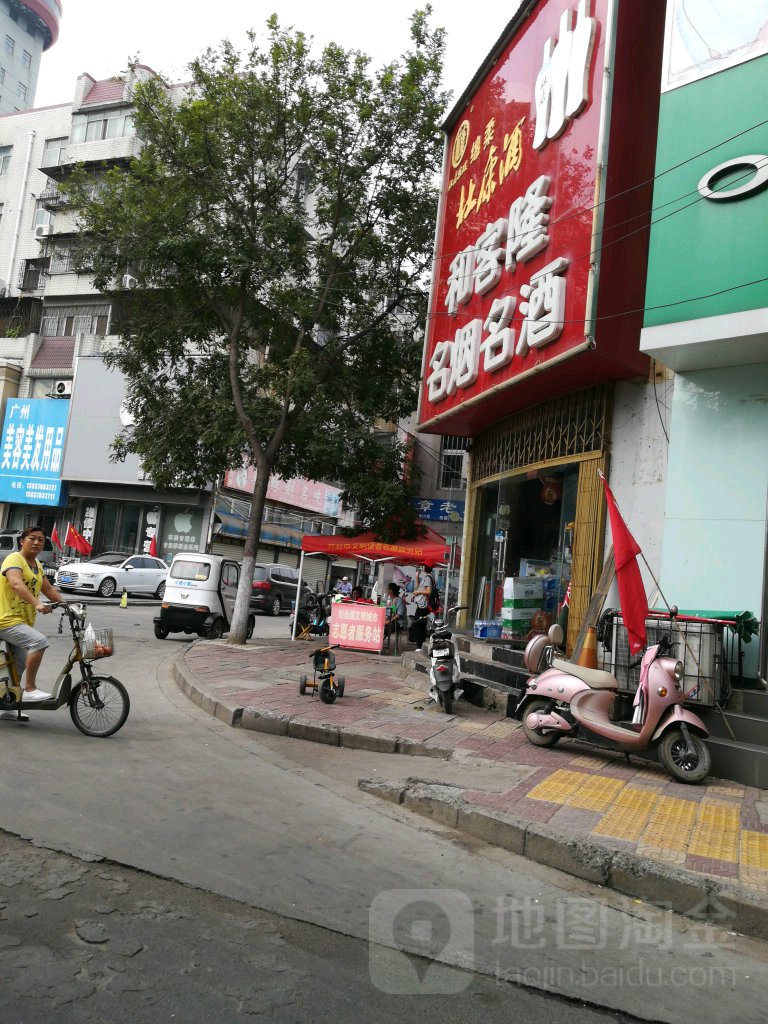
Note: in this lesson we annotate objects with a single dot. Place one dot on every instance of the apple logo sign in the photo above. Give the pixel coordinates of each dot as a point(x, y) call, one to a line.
point(182, 522)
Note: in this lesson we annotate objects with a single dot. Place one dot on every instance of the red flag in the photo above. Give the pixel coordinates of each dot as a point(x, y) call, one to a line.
point(55, 537)
point(634, 604)
point(69, 538)
point(153, 548)
point(81, 543)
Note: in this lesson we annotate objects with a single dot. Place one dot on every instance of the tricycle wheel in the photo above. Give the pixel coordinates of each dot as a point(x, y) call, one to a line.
point(161, 632)
point(327, 692)
point(536, 736)
point(673, 752)
point(340, 685)
point(302, 685)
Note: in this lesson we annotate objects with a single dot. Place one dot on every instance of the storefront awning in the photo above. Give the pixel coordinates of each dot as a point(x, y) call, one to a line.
point(229, 524)
point(431, 548)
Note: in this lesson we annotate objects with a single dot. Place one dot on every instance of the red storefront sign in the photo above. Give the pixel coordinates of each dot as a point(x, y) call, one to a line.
point(359, 626)
point(514, 313)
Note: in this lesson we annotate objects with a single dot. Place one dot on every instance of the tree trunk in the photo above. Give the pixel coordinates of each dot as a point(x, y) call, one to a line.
point(239, 625)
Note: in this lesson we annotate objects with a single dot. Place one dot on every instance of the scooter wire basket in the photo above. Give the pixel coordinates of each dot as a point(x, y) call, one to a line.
point(98, 643)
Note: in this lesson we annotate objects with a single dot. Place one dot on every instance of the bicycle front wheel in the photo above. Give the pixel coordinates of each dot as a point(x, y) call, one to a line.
point(99, 706)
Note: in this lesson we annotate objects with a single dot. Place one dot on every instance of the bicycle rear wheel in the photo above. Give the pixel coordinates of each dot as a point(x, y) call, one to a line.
point(99, 706)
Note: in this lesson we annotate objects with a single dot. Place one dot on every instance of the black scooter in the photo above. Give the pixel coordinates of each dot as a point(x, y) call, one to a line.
point(444, 669)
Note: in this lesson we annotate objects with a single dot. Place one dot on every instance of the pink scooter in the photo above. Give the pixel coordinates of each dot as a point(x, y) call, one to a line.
point(568, 700)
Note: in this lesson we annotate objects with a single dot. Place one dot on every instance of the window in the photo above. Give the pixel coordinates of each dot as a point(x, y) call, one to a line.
point(21, 90)
point(2, 74)
point(5, 158)
point(112, 125)
point(53, 152)
point(43, 217)
point(32, 275)
point(452, 449)
point(26, 59)
point(10, 45)
point(67, 321)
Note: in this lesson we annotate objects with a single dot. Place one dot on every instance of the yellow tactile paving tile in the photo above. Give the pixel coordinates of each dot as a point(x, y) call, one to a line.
point(629, 814)
point(596, 793)
point(734, 791)
point(668, 856)
point(501, 729)
point(472, 726)
point(755, 878)
point(649, 776)
point(586, 761)
point(754, 850)
point(716, 833)
point(558, 787)
point(671, 825)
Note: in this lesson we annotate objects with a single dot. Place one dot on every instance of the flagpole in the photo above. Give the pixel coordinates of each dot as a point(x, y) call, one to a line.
point(672, 619)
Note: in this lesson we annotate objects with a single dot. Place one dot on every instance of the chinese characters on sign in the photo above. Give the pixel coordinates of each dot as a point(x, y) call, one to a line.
point(511, 240)
point(435, 510)
point(357, 626)
point(562, 84)
point(32, 450)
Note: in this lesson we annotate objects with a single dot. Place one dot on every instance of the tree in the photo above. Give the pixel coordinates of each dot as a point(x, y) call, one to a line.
point(279, 222)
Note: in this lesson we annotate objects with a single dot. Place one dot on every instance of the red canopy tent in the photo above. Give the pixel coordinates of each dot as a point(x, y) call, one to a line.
point(430, 549)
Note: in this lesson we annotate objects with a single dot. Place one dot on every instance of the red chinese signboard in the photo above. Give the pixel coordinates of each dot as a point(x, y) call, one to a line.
point(358, 626)
point(513, 292)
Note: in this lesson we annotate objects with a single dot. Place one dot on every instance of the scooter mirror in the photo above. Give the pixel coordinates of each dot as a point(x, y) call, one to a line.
point(555, 634)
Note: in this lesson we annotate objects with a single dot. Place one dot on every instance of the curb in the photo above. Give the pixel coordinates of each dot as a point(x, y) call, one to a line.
point(701, 898)
point(684, 893)
point(295, 726)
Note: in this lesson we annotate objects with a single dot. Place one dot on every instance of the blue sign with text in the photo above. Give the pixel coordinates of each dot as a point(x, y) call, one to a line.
point(436, 510)
point(32, 450)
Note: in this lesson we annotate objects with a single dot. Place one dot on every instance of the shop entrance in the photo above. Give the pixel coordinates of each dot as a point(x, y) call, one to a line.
point(526, 528)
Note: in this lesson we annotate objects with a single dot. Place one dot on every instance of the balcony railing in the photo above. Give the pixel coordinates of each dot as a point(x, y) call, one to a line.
point(51, 197)
point(32, 275)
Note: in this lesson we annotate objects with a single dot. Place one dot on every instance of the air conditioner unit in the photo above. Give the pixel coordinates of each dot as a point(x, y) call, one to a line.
point(129, 281)
point(43, 230)
point(62, 389)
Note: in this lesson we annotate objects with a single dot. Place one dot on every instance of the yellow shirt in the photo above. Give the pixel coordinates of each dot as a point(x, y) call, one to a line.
point(14, 611)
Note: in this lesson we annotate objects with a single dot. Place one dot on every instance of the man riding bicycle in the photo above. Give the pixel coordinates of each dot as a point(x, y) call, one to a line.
point(22, 580)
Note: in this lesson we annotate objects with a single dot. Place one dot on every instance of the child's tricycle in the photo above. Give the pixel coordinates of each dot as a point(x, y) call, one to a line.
point(324, 678)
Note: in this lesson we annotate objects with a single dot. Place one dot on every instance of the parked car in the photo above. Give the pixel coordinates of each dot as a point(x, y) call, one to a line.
point(200, 596)
point(112, 573)
point(274, 587)
point(10, 541)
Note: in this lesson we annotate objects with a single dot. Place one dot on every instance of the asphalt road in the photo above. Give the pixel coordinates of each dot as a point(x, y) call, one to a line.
point(279, 826)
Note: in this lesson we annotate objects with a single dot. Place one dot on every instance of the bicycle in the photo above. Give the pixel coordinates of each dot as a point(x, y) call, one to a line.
point(98, 704)
point(324, 680)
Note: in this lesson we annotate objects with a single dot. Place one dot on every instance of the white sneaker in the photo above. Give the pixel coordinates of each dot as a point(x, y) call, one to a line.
point(33, 695)
point(433, 694)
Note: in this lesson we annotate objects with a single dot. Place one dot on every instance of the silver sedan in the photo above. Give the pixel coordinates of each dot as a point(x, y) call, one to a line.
point(112, 573)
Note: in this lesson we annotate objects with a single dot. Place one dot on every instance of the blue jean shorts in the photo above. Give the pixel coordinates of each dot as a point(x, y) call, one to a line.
point(23, 639)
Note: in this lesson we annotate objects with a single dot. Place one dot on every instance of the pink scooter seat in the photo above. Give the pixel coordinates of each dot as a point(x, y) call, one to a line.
point(595, 678)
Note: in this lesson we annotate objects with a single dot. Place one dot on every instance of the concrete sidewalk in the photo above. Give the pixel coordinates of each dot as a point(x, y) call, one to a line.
point(699, 850)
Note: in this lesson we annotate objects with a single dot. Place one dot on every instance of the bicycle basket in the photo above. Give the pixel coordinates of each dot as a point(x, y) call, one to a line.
point(98, 643)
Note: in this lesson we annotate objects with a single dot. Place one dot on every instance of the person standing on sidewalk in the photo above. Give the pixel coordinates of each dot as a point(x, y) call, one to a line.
point(421, 596)
point(22, 580)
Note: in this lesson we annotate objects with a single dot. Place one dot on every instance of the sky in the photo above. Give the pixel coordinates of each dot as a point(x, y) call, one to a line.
point(99, 36)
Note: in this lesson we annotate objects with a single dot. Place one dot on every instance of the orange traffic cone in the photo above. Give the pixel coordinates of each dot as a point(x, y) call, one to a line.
point(588, 656)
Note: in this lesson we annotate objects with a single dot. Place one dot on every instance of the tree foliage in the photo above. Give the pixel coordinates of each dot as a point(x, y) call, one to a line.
point(279, 221)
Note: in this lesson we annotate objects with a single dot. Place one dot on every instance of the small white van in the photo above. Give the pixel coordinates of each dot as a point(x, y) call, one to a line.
point(200, 592)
